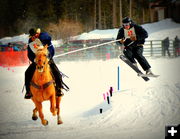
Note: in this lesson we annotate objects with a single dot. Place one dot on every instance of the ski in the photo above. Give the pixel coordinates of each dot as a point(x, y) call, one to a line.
point(123, 58)
point(148, 75)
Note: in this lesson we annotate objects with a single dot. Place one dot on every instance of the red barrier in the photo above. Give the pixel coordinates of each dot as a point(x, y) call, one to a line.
point(13, 58)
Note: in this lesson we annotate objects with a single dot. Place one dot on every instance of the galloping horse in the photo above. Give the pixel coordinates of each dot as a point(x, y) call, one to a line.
point(42, 87)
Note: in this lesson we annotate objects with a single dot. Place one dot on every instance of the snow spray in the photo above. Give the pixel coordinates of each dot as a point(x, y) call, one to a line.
point(10, 69)
point(6, 68)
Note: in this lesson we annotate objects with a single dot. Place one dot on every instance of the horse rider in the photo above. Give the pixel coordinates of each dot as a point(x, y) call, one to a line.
point(44, 38)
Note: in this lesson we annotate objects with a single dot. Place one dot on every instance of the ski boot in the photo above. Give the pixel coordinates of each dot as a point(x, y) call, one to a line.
point(149, 72)
point(28, 95)
point(59, 92)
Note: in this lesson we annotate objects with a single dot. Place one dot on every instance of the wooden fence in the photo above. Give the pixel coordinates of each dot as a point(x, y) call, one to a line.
point(152, 48)
point(155, 48)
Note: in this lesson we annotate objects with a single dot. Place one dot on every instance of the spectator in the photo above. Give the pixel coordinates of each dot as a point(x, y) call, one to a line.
point(176, 45)
point(9, 47)
point(165, 46)
point(15, 48)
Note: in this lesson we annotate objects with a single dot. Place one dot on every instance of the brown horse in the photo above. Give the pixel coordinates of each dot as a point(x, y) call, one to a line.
point(42, 88)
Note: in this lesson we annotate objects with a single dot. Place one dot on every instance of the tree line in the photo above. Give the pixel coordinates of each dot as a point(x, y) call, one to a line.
point(65, 18)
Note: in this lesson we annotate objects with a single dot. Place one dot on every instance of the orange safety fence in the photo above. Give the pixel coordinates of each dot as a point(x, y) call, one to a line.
point(13, 58)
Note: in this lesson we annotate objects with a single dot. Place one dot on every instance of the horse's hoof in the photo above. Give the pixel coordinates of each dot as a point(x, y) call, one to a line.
point(34, 118)
point(45, 123)
point(60, 122)
point(54, 114)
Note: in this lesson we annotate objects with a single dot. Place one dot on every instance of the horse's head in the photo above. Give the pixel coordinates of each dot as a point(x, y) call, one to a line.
point(41, 58)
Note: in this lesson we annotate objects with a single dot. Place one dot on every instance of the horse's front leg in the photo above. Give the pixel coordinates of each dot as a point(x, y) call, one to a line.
point(59, 120)
point(35, 110)
point(34, 116)
point(41, 115)
point(53, 105)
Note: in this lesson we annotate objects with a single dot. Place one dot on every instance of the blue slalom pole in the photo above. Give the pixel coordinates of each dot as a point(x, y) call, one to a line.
point(118, 78)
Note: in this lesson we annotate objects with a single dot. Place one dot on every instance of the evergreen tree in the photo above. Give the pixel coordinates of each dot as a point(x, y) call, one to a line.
point(18, 16)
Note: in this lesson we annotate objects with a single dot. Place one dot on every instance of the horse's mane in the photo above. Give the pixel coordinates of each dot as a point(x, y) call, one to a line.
point(44, 50)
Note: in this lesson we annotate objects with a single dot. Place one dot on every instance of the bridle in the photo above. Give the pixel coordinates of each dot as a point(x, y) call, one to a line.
point(40, 64)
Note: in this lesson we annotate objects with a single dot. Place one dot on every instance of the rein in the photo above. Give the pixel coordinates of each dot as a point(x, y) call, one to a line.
point(44, 86)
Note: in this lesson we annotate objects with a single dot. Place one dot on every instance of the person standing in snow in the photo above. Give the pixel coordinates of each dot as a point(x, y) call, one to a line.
point(176, 45)
point(133, 37)
point(165, 45)
point(41, 39)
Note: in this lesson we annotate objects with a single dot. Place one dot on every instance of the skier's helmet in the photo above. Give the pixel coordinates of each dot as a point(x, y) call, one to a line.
point(126, 20)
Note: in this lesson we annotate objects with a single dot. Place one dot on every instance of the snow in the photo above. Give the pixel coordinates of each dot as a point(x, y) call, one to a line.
point(140, 110)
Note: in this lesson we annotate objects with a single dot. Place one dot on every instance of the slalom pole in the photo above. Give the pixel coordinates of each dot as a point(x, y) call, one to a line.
point(100, 110)
point(118, 78)
point(111, 91)
point(108, 98)
point(94, 46)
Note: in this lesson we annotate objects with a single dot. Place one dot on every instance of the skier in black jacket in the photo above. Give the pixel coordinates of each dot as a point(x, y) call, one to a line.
point(133, 37)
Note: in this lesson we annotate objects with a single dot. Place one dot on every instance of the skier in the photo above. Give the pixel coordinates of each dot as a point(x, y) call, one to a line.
point(133, 37)
point(41, 38)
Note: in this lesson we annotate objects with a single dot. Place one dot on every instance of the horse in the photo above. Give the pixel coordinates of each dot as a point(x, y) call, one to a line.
point(42, 87)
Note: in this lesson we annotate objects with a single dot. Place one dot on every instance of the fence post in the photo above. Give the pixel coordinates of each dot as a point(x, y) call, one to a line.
point(151, 48)
point(174, 48)
point(163, 50)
